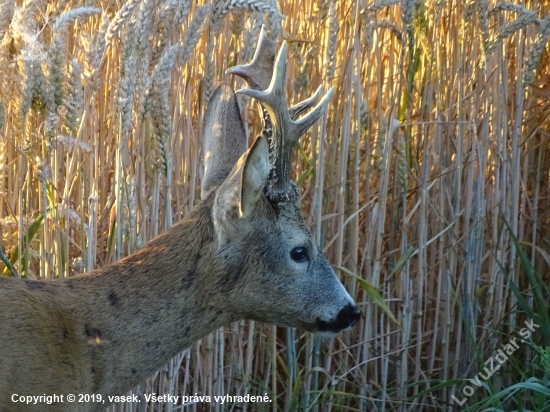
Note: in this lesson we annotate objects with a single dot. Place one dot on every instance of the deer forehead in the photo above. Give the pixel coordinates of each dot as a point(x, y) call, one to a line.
point(292, 225)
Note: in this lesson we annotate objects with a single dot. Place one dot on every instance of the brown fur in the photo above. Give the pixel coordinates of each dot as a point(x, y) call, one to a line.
point(106, 331)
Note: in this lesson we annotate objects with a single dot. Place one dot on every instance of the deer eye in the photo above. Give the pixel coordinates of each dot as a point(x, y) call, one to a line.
point(299, 254)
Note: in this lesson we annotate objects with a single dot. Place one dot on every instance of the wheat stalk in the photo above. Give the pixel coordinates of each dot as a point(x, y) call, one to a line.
point(95, 55)
point(508, 6)
point(182, 12)
point(41, 96)
point(302, 80)
point(274, 20)
point(165, 22)
point(74, 101)
point(221, 10)
point(251, 35)
point(483, 8)
point(56, 69)
point(510, 28)
point(23, 98)
point(238, 21)
point(66, 19)
point(330, 61)
point(533, 58)
point(379, 5)
point(7, 9)
point(390, 25)
point(193, 32)
point(160, 106)
point(143, 27)
point(126, 84)
point(407, 8)
point(401, 162)
point(122, 15)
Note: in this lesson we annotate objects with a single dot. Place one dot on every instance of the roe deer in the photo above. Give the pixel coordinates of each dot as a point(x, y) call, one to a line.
point(244, 252)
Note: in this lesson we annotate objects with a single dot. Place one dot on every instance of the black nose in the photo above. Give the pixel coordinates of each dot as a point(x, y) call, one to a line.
point(346, 318)
point(349, 315)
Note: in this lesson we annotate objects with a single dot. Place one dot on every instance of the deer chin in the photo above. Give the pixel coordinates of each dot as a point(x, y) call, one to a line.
point(330, 329)
point(327, 335)
point(324, 329)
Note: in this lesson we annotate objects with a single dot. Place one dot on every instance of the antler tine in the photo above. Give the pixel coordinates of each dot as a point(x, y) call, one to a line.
point(259, 71)
point(285, 131)
point(304, 105)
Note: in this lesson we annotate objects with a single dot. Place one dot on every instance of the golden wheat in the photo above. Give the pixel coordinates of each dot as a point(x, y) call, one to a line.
point(435, 141)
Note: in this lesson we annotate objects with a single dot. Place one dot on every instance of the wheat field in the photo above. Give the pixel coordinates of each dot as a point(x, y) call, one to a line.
point(427, 183)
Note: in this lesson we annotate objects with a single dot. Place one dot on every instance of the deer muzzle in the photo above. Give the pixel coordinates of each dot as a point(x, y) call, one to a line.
point(345, 319)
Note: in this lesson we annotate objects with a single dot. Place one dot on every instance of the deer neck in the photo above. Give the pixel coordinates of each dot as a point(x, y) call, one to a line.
point(136, 314)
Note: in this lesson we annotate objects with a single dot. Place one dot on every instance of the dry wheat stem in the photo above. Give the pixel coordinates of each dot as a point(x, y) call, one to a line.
point(508, 30)
point(470, 153)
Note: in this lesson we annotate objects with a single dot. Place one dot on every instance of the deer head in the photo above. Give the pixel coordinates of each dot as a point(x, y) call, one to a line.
point(285, 278)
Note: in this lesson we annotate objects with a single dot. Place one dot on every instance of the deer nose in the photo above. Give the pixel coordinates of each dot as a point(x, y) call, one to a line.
point(345, 319)
point(348, 316)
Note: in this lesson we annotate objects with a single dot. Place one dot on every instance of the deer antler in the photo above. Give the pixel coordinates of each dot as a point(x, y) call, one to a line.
point(258, 72)
point(280, 123)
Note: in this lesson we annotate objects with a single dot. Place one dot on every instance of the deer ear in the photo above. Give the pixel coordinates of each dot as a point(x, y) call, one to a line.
point(239, 193)
point(224, 138)
point(255, 173)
